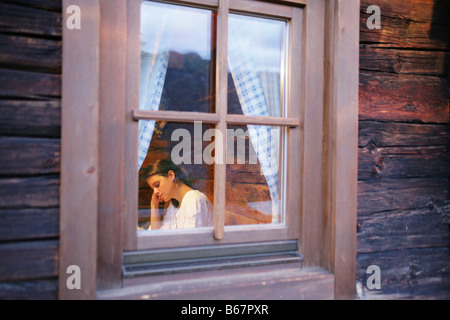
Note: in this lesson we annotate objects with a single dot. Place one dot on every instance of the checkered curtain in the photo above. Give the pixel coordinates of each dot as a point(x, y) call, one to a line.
point(153, 74)
point(253, 94)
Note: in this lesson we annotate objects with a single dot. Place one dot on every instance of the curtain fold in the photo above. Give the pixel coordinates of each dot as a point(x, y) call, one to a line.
point(252, 94)
point(153, 74)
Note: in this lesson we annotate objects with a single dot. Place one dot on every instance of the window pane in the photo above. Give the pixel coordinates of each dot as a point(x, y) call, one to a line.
point(176, 58)
point(254, 175)
point(182, 144)
point(256, 64)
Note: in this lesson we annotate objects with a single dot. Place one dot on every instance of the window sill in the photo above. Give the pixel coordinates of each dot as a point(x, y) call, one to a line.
point(189, 259)
point(270, 282)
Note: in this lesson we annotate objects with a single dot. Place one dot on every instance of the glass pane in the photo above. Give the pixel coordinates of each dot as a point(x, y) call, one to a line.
point(256, 64)
point(176, 58)
point(254, 175)
point(183, 145)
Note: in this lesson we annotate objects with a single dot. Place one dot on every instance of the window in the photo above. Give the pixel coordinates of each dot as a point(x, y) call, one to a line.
point(214, 97)
point(312, 125)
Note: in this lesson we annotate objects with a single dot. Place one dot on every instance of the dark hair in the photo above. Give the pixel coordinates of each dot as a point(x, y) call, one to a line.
point(162, 167)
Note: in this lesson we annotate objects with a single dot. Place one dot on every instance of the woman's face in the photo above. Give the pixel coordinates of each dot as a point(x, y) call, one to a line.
point(163, 187)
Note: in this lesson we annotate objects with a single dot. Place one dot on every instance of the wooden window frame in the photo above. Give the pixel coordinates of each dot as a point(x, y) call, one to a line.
point(235, 234)
point(97, 90)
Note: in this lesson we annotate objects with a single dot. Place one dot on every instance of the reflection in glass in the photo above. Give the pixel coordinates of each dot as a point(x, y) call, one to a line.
point(254, 172)
point(256, 62)
point(177, 74)
point(176, 64)
point(179, 143)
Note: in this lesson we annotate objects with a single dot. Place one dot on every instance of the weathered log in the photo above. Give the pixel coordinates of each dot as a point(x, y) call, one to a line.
point(382, 59)
point(401, 194)
point(55, 5)
point(29, 156)
point(31, 223)
point(26, 260)
point(415, 10)
point(395, 134)
point(27, 53)
point(409, 273)
point(402, 229)
point(30, 118)
point(37, 192)
point(404, 24)
point(404, 98)
point(29, 20)
point(403, 162)
point(46, 289)
point(27, 84)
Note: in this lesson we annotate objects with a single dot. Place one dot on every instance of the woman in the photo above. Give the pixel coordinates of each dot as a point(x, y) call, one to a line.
point(188, 208)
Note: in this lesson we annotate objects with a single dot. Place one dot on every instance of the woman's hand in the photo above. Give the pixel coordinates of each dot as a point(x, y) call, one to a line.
point(156, 201)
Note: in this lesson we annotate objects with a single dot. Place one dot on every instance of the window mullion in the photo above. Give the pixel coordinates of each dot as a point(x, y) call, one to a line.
point(221, 107)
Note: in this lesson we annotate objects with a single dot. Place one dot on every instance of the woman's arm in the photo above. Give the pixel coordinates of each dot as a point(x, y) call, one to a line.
point(155, 216)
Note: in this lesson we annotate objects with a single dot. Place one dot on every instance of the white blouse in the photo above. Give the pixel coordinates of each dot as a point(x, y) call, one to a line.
point(195, 211)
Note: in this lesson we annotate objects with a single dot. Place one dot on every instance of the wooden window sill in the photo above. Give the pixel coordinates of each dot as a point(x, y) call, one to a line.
point(287, 281)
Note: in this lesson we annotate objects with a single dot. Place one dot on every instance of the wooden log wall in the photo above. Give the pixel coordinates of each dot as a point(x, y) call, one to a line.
point(30, 129)
point(404, 157)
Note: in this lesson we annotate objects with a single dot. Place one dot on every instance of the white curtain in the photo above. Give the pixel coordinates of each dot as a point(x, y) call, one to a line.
point(153, 73)
point(259, 95)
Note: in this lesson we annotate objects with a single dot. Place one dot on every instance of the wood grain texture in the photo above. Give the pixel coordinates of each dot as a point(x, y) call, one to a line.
point(29, 156)
point(45, 289)
point(79, 152)
point(29, 223)
point(404, 162)
point(380, 58)
point(406, 229)
point(30, 20)
point(111, 143)
point(403, 196)
point(39, 192)
point(20, 260)
point(395, 134)
point(344, 147)
point(400, 194)
point(30, 118)
point(420, 273)
point(29, 84)
point(30, 130)
point(403, 98)
point(31, 53)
